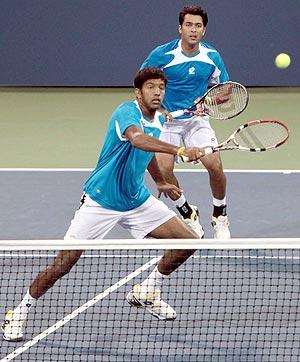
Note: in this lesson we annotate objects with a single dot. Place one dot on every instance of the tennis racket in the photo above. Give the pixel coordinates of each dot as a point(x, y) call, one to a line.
point(255, 136)
point(222, 101)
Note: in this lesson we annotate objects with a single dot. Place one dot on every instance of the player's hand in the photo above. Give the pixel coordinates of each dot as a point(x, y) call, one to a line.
point(200, 111)
point(168, 190)
point(168, 116)
point(194, 153)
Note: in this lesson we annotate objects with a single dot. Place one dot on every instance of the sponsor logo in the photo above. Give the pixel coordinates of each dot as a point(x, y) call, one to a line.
point(192, 71)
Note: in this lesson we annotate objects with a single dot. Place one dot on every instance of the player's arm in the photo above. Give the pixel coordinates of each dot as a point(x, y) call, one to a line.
point(220, 73)
point(147, 143)
point(163, 187)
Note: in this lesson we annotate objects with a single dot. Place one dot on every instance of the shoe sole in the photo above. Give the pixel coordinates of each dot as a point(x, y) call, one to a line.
point(19, 339)
point(134, 302)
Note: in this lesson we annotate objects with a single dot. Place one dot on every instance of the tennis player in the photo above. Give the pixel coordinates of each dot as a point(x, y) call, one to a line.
point(115, 194)
point(191, 66)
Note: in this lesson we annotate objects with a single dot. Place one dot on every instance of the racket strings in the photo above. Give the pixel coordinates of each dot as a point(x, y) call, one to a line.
point(261, 135)
point(226, 101)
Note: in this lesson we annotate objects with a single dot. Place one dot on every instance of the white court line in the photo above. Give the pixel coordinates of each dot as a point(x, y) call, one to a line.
point(194, 170)
point(79, 310)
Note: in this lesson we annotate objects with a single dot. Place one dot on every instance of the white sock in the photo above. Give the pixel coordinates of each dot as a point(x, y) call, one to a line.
point(153, 282)
point(217, 202)
point(181, 201)
point(24, 307)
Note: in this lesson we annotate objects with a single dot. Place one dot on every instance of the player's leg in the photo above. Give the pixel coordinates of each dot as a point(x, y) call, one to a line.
point(15, 319)
point(91, 221)
point(201, 134)
point(172, 133)
point(155, 220)
point(174, 228)
point(217, 180)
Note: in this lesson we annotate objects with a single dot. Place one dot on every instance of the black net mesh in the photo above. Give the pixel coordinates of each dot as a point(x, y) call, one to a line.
point(232, 305)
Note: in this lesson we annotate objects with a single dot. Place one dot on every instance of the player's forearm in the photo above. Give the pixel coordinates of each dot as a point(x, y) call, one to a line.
point(151, 144)
point(155, 171)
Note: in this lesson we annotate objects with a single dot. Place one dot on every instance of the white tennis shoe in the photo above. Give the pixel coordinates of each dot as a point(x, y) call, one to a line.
point(151, 302)
point(193, 222)
point(221, 227)
point(12, 327)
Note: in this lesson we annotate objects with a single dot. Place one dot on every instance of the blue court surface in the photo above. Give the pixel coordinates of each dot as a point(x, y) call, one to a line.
point(40, 204)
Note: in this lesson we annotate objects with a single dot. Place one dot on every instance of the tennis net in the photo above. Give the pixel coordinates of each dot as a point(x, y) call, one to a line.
point(236, 300)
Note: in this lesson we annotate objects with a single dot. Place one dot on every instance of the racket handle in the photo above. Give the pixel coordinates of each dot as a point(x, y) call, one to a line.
point(207, 151)
point(176, 114)
point(184, 158)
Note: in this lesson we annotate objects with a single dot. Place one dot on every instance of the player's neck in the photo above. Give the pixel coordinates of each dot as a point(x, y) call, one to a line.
point(147, 112)
point(189, 49)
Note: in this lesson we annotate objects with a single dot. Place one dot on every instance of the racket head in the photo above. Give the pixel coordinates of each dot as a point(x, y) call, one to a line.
point(225, 100)
point(258, 135)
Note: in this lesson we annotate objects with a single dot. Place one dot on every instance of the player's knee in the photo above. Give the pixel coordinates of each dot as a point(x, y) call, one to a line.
point(64, 265)
point(215, 168)
point(62, 269)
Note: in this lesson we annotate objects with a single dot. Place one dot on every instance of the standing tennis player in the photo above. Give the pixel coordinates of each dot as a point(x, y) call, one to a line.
point(115, 194)
point(191, 66)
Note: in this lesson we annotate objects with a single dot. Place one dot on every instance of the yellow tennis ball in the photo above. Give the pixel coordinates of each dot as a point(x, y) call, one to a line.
point(282, 61)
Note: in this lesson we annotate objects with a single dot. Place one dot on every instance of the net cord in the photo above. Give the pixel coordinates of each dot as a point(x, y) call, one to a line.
point(148, 244)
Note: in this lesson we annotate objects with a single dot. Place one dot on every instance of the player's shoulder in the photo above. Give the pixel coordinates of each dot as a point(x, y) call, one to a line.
point(212, 52)
point(125, 108)
point(207, 46)
point(129, 105)
point(166, 47)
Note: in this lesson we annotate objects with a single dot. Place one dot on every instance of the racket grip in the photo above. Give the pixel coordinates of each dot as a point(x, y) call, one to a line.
point(176, 114)
point(184, 159)
point(207, 151)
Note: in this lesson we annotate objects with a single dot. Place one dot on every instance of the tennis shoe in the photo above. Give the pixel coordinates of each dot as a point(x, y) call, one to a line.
point(151, 302)
point(12, 327)
point(221, 227)
point(193, 222)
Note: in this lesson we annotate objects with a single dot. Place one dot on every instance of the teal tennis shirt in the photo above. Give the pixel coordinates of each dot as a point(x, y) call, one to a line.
point(188, 75)
point(117, 182)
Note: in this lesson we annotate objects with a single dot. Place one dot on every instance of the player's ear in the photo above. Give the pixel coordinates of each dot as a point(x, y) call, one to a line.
point(138, 93)
point(179, 29)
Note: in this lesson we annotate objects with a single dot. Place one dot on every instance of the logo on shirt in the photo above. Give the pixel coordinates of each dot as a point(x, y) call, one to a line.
point(192, 71)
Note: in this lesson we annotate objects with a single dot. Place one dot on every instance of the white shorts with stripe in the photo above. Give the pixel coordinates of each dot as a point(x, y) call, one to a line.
point(92, 221)
point(192, 132)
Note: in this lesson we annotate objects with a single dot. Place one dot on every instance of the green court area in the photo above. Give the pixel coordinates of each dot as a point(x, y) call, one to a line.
point(64, 127)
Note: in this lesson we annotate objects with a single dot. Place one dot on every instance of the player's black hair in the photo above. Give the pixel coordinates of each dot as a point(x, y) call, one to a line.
point(148, 73)
point(193, 10)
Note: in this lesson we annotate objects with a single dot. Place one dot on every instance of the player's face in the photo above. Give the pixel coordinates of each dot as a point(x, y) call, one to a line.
point(191, 30)
point(152, 94)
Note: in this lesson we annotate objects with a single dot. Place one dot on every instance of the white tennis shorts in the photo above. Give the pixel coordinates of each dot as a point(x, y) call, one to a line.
point(193, 132)
point(92, 221)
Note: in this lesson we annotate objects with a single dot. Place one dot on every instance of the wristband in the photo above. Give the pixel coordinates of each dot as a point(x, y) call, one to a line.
point(180, 151)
